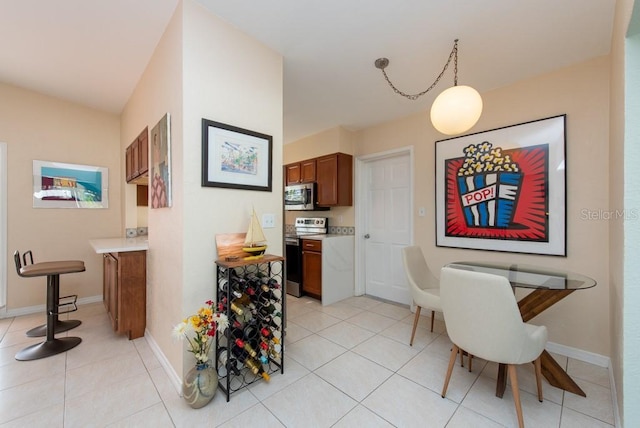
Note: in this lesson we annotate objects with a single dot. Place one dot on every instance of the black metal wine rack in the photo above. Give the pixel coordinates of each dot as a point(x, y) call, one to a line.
point(252, 295)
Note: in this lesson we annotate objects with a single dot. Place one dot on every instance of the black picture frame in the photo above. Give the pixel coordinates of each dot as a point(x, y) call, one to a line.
point(235, 158)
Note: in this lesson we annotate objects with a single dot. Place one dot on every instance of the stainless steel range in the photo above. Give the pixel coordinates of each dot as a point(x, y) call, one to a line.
point(305, 226)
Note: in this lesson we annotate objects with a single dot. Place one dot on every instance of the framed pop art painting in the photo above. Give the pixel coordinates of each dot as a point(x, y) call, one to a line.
point(504, 189)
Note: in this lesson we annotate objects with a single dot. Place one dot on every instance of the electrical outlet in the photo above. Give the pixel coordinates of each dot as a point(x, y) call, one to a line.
point(422, 212)
point(268, 221)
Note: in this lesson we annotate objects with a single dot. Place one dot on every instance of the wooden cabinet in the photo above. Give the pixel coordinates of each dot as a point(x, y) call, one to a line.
point(312, 268)
point(137, 159)
point(334, 178)
point(301, 172)
point(125, 291)
point(333, 175)
point(109, 287)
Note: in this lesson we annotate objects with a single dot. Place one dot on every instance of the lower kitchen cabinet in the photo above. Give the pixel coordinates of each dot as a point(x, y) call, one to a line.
point(312, 268)
point(125, 291)
point(328, 268)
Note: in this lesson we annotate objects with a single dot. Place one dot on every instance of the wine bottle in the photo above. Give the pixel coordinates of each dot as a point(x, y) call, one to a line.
point(225, 363)
point(267, 293)
point(269, 331)
point(269, 321)
point(247, 347)
point(255, 367)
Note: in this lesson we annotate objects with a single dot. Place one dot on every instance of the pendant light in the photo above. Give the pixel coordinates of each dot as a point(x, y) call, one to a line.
point(456, 109)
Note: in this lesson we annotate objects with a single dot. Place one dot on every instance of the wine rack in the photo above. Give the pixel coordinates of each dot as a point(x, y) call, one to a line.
point(252, 295)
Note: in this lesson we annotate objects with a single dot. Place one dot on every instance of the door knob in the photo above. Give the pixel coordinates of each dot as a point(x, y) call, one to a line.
point(367, 236)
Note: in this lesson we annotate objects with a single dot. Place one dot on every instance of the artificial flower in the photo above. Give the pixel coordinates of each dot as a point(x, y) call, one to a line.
point(199, 329)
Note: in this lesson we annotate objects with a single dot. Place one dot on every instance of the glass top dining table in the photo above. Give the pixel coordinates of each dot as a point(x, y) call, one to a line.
point(548, 287)
point(529, 276)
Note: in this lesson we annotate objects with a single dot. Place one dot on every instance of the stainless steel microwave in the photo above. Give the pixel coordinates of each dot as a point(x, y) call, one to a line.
point(300, 197)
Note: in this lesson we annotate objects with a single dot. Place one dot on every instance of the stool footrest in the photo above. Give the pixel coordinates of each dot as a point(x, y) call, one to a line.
point(66, 304)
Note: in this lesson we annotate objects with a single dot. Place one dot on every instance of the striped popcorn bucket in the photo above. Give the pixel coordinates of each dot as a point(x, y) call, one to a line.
point(489, 200)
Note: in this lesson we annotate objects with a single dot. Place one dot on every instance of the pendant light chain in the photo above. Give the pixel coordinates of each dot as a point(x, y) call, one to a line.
point(453, 55)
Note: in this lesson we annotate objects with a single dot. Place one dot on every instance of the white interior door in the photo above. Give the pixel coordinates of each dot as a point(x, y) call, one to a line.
point(387, 225)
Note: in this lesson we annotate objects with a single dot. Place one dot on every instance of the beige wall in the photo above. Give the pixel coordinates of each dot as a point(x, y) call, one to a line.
point(582, 92)
point(158, 92)
point(37, 127)
point(202, 68)
point(229, 78)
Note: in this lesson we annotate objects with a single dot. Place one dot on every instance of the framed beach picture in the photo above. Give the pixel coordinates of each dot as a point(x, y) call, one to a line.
point(235, 158)
point(66, 185)
point(504, 189)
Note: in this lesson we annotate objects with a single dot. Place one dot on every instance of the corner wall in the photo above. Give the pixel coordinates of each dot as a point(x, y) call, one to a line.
point(159, 91)
point(202, 68)
point(231, 78)
point(582, 92)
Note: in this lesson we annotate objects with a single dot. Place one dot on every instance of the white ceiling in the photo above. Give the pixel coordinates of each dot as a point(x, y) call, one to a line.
point(93, 52)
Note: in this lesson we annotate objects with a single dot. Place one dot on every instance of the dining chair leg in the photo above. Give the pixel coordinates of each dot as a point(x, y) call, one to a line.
point(452, 361)
point(538, 365)
point(470, 361)
point(415, 324)
point(433, 314)
point(461, 358)
point(513, 378)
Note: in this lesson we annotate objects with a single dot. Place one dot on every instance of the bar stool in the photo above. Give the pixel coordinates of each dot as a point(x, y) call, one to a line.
point(52, 270)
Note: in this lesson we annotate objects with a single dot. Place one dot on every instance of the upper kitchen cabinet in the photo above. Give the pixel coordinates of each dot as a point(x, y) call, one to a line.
point(334, 180)
point(137, 159)
point(301, 172)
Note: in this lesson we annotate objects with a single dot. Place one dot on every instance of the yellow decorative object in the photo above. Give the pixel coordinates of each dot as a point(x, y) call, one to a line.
point(255, 243)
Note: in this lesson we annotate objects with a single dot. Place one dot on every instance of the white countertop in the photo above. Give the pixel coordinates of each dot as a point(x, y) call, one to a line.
point(119, 245)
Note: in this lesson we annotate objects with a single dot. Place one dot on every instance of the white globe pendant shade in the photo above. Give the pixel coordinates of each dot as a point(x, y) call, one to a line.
point(456, 110)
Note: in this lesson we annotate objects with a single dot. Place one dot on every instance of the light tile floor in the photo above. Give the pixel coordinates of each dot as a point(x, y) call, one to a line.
point(346, 365)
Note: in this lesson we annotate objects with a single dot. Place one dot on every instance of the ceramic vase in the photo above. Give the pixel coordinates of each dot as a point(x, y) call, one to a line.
point(200, 385)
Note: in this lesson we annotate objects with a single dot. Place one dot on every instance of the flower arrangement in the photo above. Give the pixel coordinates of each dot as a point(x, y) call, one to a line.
point(203, 325)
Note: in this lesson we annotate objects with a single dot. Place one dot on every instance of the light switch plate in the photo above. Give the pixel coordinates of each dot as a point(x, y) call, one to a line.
point(421, 212)
point(268, 221)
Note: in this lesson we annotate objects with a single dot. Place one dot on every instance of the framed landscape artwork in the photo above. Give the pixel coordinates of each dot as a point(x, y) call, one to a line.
point(235, 158)
point(504, 189)
point(66, 185)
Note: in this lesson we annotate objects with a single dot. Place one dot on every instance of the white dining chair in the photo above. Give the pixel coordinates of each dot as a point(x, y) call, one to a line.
point(483, 318)
point(424, 287)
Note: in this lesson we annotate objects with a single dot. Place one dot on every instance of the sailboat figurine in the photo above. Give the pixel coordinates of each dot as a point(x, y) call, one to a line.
point(255, 243)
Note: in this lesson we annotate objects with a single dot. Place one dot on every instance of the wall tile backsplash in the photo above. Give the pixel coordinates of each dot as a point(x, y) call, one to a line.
point(136, 231)
point(342, 230)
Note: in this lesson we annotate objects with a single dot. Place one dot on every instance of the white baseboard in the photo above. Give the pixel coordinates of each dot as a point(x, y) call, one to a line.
point(28, 310)
point(175, 380)
point(579, 354)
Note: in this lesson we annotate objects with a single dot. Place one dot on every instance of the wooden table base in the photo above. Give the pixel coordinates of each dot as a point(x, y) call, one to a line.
point(551, 370)
point(530, 306)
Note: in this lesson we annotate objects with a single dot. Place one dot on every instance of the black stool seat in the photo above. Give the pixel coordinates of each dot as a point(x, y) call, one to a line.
point(52, 270)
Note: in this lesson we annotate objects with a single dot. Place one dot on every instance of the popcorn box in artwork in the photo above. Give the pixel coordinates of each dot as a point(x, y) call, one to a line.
point(489, 199)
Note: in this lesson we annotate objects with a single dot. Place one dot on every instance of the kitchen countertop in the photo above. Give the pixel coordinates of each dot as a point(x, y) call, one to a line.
point(119, 245)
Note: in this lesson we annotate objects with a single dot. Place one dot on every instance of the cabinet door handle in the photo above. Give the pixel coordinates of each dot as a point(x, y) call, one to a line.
point(367, 236)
